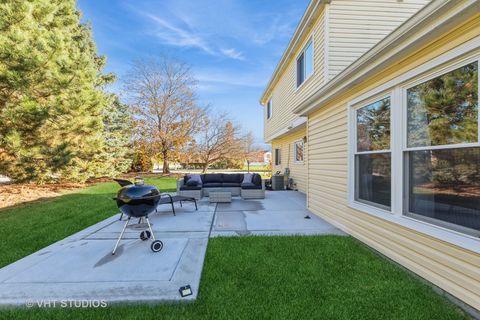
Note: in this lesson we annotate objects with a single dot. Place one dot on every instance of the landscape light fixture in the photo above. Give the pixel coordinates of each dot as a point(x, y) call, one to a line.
point(185, 291)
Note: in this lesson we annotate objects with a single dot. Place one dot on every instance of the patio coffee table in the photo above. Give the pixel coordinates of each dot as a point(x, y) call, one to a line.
point(220, 196)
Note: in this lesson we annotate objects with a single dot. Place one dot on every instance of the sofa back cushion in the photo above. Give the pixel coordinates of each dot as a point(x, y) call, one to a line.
point(213, 178)
point(190, 178)
point(232, 178)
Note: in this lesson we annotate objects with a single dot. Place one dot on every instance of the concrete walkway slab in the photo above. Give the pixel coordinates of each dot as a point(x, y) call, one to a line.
point(81, 266)
point(280, 213)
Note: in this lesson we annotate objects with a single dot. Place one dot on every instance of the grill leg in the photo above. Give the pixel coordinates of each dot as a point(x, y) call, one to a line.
point(121, 235)
point(173, 209)
point(195, 201)
point(150, 228)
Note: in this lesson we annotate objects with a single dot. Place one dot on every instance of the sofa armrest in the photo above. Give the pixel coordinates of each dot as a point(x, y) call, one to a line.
point(180, 183)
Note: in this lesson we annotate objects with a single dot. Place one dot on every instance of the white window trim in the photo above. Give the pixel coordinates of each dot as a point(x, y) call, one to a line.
point(312, 42)
point(462, 55)
point(270, 102)
point(295, 152)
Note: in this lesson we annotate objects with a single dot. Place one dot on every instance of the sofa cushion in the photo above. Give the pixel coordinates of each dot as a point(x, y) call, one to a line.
point(186, 187)
point(212, 177)
point(247, 178)
point(192, 177)
point(232, 178)
point(192, 183)
point(257, 179)
point(212, 185)
point(230, 184)
point(250, 186)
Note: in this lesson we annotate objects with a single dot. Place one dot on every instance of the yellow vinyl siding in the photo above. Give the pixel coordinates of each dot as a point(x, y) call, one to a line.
point(451, 268)
point(298, 171)
point(285, 95)
point(357, 25)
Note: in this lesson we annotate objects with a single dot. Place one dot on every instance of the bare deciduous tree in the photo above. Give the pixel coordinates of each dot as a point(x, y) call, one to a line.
point(219, 140)
point(165, 107)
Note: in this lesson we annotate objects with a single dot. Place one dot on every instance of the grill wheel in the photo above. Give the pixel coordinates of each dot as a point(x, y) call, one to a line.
point(156, 246)
point(145, 235)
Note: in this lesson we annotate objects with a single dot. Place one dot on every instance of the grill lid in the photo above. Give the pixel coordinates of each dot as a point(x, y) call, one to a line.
point(137, 191)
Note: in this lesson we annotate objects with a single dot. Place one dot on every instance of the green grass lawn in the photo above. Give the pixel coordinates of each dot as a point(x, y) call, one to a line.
point(317, 277)
point(322, 277)
point(29, 227)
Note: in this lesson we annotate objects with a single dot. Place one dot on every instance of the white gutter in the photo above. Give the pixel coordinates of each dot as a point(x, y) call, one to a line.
point(290, 128)
point(417, 31)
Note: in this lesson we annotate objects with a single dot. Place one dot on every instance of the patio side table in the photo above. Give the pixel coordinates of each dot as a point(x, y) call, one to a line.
point(220, 196)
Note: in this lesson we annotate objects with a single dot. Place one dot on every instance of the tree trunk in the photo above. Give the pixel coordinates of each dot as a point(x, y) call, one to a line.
point(166, 169)
point(205, 167)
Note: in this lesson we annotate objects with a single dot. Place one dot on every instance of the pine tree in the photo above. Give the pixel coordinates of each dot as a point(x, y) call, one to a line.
point(51, 98)
point(117, 135)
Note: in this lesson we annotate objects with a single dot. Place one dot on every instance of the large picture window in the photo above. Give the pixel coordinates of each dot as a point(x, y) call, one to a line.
point(442, 158)
point(416, 152)
point(372, 156)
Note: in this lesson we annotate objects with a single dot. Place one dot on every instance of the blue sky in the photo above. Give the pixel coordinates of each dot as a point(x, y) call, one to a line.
point(233, 46)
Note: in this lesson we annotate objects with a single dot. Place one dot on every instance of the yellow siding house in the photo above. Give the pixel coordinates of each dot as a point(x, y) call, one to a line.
point(374, 109)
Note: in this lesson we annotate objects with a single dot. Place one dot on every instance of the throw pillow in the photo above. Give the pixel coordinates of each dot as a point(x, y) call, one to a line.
point(247, 178)
point(257, 179)
point(194, 177)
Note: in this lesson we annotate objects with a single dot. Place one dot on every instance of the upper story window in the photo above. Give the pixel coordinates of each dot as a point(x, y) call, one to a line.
point(269, 108)
point(305, 63)
point(299, 151)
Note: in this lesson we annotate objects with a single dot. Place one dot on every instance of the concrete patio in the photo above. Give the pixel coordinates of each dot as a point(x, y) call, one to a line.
point(82, 267)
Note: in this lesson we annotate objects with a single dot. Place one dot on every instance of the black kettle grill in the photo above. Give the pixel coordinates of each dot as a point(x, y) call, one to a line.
point(138, 200)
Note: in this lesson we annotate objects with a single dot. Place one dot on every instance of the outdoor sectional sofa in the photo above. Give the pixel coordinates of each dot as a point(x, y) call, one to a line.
point(234, 183)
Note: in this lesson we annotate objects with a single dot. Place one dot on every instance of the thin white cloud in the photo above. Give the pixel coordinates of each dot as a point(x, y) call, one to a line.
point(233, 53)
point(173, 34)
point(275, 30)
point(177, 36)
point(201, 25)
point(211, 79)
